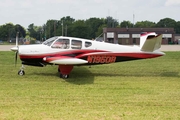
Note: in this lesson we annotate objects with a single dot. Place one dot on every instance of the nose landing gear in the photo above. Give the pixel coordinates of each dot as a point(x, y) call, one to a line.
point(21, 71)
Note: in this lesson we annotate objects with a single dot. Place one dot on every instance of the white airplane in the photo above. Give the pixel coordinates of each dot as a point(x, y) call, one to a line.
point(67, 52)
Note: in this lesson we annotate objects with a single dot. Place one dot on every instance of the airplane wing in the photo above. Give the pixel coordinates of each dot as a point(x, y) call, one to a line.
point(64, 60)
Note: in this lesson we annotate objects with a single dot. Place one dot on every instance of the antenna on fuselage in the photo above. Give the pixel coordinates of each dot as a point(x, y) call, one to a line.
point(98, 37)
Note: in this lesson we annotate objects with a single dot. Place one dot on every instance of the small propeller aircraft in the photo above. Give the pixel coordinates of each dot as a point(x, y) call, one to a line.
point(67, 52)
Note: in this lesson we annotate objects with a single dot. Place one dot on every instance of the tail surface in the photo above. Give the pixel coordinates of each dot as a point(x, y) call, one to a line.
point(150, 42)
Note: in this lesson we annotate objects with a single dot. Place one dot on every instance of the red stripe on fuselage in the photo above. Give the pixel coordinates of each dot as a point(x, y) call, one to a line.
point(74, 53)
point(132, 55)
point(84, 53)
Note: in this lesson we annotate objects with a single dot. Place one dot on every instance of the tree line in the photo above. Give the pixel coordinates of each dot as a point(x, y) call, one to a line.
point(90, 28)
point(9, 31)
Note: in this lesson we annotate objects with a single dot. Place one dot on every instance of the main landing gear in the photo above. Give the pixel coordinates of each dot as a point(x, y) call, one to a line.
point(64, 71)
point(64, 76)
point(21, 71)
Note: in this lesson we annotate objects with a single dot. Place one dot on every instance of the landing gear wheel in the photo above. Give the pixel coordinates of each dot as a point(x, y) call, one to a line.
point(21, 72)
point(64, 76)
point(65, 71)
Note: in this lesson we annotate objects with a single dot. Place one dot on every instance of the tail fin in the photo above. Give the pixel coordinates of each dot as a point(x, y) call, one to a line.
point(150, 42)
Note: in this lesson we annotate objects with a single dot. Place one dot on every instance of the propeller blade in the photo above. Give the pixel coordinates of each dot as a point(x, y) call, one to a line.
point(17, 39)
point(16, 49)
point(16, 58)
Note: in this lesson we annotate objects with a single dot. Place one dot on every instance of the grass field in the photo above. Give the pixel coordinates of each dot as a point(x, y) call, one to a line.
point(137, 90)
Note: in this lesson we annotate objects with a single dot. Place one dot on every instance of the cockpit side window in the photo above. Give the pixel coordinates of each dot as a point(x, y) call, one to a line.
point(88, 44)
point(76, 44)
point(61, 44)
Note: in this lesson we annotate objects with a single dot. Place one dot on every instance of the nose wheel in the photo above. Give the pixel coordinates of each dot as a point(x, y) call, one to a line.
point(21, 71)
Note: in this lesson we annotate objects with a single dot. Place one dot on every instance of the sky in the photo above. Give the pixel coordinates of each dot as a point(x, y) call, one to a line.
point(26, 12)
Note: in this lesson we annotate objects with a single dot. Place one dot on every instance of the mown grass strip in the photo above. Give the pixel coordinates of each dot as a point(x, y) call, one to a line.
point(144, 89)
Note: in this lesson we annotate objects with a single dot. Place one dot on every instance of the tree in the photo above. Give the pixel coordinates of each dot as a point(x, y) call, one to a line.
point(32, 32)
point(145, 24)
point(21, 30)
point(93, 25)
point(65, 26)
point(3, 33)
point(126, 24)
point(166, 22)
point(177, 27)
point(111, 23)
point(8, 31)
point(80, 29)
point(100, 29)
point(50, 30)
point(35, 31)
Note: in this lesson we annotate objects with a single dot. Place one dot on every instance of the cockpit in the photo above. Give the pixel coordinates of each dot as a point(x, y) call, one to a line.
point(66, 43)
point(49, 41)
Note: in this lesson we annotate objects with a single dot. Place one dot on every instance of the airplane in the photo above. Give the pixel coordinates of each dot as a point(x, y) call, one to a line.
point(67, 52)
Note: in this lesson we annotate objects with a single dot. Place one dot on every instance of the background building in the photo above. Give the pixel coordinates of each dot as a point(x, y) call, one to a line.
point(131, 36)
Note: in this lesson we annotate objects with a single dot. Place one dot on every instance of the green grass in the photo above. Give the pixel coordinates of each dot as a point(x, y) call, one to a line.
point(137, 90)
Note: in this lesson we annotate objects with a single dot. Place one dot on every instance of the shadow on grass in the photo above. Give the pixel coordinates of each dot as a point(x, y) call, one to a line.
point(83, 75)
point(79, 75)
point(140, 74)
point(170, 74)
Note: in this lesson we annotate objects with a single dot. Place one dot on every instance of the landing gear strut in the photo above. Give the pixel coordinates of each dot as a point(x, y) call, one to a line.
point(64, 71)
point(64, 76)
point(21, 71)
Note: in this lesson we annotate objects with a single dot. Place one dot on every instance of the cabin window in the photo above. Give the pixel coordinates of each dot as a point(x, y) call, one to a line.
point(88, 44)
point(76, 44)
point(61, 44)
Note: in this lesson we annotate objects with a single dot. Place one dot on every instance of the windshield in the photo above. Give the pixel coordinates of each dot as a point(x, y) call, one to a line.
point(49, 41)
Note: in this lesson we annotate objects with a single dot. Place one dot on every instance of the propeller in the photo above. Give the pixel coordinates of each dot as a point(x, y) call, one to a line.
point(16, 57)
point(16, 49)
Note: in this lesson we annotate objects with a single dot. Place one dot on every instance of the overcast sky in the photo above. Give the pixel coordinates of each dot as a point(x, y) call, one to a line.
point(25, 12)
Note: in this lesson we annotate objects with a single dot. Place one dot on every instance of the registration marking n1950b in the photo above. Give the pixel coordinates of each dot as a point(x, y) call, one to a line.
point(101, 59)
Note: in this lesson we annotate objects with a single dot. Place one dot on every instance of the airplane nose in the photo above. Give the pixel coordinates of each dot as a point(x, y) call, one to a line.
point(14, 49)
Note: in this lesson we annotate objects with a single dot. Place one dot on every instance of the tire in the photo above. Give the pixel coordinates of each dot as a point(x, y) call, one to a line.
point(21, 73)
point(64, 76)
